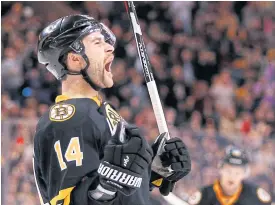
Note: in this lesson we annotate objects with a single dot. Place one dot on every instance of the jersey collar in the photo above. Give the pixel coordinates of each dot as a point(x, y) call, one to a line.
point(60, 98)
point(226, 200)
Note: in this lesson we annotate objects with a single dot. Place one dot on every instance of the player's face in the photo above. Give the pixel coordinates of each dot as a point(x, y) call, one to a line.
point(101, 56)
point(231, 177)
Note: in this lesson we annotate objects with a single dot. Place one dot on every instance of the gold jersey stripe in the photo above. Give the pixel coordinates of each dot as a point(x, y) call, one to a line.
point(65, 195)
point(226, 200)
point(60, 98)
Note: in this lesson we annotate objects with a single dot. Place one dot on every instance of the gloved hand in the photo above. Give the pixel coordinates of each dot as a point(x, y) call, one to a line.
point(176, 157)
point(126, 157)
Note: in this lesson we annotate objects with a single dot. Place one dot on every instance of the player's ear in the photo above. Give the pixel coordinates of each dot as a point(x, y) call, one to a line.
point(75, 62)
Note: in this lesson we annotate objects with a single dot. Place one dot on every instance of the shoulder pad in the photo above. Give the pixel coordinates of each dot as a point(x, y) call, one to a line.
point(195, 198)
point(263, 195)
point(61, 112)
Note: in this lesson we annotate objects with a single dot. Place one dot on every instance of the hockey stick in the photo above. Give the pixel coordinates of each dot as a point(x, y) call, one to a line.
point(151, 86)
point(174, 200)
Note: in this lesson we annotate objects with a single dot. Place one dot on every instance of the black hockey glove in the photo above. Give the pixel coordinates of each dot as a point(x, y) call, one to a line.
point(176, 157)
point(126, 157)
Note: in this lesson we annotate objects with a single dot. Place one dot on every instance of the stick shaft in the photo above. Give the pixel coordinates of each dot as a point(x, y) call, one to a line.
point(147, 70)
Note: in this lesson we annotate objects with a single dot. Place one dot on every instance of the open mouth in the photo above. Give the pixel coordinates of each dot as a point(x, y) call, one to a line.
point(108, 63)
point(108, 66)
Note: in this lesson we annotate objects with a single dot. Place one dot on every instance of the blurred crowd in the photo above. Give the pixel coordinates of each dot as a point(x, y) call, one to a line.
point(214, 64)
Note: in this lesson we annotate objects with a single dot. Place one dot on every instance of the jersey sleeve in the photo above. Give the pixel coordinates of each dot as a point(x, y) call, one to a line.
point(66, 157)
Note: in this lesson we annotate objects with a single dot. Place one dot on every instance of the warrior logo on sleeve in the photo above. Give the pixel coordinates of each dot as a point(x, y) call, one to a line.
point(112, 117)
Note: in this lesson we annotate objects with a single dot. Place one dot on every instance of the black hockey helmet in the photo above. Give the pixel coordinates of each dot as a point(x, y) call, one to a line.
point(235, 156)
point(65, 35)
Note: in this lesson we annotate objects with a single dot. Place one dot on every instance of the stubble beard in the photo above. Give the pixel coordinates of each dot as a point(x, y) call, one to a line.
point(97, 73)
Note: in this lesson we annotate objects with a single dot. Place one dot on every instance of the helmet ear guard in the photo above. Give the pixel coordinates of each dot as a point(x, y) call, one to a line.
point(78, 47)
point(55, 67)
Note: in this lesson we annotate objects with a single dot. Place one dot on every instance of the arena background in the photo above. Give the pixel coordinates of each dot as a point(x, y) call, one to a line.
point(213, 63)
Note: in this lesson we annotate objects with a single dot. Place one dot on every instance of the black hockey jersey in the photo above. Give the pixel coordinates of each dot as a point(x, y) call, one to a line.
point(68, 147)
point(247, 194)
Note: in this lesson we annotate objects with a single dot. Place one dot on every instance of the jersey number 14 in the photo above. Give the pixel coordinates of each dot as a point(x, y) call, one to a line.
point(73, 153)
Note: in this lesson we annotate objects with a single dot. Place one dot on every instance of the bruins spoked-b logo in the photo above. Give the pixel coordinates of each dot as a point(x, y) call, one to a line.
point(195, 198)
point(61, 112)
point(263, 195)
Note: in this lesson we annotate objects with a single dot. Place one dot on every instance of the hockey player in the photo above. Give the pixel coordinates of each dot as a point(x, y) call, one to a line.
point(230, 189)
point(84, 152)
